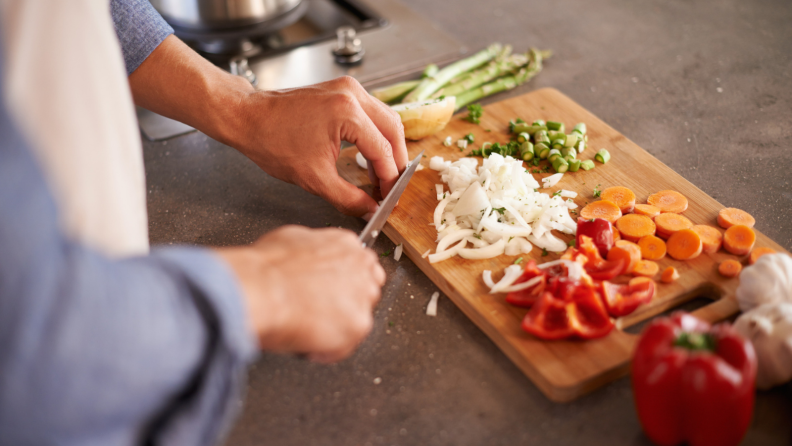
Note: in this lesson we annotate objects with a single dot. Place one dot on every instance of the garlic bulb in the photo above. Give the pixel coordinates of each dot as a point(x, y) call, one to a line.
point(768, 280)
point(769, 328)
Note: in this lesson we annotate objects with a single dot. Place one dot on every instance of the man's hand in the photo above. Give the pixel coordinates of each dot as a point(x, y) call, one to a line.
point(294, 135)
point(308, 291)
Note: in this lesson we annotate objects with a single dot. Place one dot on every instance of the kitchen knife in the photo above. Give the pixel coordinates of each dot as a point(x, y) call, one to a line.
point(374, 226)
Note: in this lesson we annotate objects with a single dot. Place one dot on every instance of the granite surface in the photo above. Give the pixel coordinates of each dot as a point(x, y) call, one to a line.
point(705, 86)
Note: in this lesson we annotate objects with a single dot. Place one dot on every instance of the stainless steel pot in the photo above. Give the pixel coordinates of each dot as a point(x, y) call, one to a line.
point(217, 15)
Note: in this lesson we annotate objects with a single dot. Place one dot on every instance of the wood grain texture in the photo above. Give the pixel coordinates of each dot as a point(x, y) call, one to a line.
point(563, 370)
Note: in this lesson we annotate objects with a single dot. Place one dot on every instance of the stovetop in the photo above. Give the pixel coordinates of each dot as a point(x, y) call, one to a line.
point(398, 43)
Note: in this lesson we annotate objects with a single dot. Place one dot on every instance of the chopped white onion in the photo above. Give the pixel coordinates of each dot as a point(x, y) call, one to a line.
point(512, 273)
point(522, 286)
point(426, 254)
point(574, 269)
point(398, 252)
point(361, 161)
point(447, 142)
point(498, 207)
point(552, 180)
point(568, 193)
point(431, 309)
point(462, 143)
point(488, 252)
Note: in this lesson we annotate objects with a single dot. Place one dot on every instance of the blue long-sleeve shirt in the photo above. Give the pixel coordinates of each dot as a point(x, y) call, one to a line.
point(147, 350)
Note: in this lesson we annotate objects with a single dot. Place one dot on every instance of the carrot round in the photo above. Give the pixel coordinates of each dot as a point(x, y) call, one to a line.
point(652, 247)
point(626, 250)
point(729, 268)
point(601, 209)
point(668, 201)
point(669, 275)
point(728, 217)
point(647, 209)
point(616, 234)
point(669, 223)
point(684, 244)
point(620, 196)
point(711, 238)
point(646, 268)
point(639, 279)
point(759, 252)
point(739, 240)
point(633, 226)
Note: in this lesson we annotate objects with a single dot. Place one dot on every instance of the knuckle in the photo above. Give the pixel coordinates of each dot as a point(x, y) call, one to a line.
point(348, 82)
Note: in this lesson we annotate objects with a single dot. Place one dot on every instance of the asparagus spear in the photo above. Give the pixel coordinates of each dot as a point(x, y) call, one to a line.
point(504, 83)
point(431, 84)
point(481, 77)
point(503, 55)
point(395, 92)
point(430, 71)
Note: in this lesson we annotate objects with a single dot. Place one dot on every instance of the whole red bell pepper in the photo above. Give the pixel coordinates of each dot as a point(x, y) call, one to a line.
point(693, 383)
point(600, 231)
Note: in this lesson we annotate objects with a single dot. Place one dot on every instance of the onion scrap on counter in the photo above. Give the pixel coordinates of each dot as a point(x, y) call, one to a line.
point(497, 209)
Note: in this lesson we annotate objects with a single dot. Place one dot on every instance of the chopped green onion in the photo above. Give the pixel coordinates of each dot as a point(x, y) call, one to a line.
point(574, 165)
point(580, 128)
point(553, 154)
point(571, 140)
point(587, 165)
point(522, 137)
point(560, 165)
point(580, 146)
point(558, 144)
point(554, 125)
point(541, 136)
point(474, 113)
point(518, 261)
point(539, 122)
point(565, 152)
point(527, 151)
point(602, 156)
point(542, 150)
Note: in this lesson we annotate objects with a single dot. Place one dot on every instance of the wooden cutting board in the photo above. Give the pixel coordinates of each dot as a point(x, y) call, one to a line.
point(563, 370)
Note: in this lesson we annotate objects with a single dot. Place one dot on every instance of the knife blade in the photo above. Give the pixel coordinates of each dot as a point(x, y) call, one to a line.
point(374, 226)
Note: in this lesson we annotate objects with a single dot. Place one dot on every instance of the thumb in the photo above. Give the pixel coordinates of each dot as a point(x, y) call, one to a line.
point(347, 198)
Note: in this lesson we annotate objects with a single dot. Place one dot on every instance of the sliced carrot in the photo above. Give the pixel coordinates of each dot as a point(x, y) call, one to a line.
point(633, 226)
point(652, 248)
point(616, 234)
point(729, 268)
point(639, 279)
point(620, 196)
point(759, 252)
point(601, 209)
point(728, 217)
point(669, 223)
point(669, 275)
point(647, 209)
point(739, 240)
point(626, 250)
point(711, 238)
point(646, 268)
point(669, 201)
point(684, 244)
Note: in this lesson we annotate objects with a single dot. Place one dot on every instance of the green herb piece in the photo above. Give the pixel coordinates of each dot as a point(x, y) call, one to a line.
point(572, 243)
point(487, 130)
point(474, 113)
point(470, 138)
point(544, 252)
point(327, 224)
point(597, 192)
point(478, 236)
point(385, 254)
point(557, 193)
point(499, 210)
point(391, 324)
point(518, 261)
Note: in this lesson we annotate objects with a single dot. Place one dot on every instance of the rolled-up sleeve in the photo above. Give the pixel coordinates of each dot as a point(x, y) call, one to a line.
point(140, 29)
point(147, 350)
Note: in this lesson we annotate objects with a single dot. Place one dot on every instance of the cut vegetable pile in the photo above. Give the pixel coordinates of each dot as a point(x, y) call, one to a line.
point(495, 208)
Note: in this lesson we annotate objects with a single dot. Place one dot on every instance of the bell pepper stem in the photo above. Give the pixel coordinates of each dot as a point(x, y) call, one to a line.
point(695, 341)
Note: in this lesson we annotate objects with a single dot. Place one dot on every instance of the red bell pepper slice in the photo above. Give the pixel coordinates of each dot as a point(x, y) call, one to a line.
point(574, 310)
point(528, 296)
point(693, 383)
point(599, 230)
point(621, 300)
point(597, 267)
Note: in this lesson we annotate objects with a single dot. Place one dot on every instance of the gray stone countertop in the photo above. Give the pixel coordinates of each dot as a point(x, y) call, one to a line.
point(705, 86)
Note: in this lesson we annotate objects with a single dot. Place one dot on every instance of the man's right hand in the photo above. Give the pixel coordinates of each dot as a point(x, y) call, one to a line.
point(309, 291)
